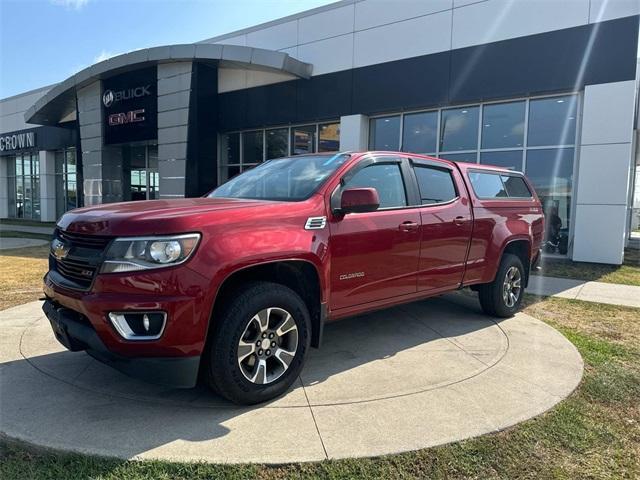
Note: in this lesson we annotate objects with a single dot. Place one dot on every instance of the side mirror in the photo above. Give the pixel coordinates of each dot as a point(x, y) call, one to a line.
point(359, 200)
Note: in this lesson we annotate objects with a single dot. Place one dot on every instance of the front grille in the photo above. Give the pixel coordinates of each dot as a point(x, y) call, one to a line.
point(81, 240)
point(79, 267)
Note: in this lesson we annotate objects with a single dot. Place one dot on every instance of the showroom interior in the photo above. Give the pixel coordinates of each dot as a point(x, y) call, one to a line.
point(546, 92)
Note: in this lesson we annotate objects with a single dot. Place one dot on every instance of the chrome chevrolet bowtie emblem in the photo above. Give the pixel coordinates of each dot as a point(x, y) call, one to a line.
point(59, 249)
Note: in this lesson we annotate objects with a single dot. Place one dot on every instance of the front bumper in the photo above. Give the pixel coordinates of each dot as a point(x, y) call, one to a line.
point(76, 333)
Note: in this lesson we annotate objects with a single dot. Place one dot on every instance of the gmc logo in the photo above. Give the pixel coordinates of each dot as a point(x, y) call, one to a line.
point(124, 118)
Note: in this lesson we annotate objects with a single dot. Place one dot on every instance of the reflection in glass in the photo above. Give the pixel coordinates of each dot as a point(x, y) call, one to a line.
point(384, 133)
point(459, 129)
point(386, 179)
point(329, 137)
point(252, 147)
point(487, 185)
point(23, 174)
point(470, 157)
point(420, 132)
point(511, 159)
point(230, 148)
point(303, 140)
point(551, 172)
point(503, 125)
point(277, 143)
point(552, 121)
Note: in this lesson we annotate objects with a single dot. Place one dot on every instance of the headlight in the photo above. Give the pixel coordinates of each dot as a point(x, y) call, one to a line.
point(129, 254)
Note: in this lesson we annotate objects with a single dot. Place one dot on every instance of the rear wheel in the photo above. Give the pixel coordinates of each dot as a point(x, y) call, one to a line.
point(260, 343)
point(503, 296)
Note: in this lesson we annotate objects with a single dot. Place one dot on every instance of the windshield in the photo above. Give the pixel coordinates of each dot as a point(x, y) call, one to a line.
point(288, 179)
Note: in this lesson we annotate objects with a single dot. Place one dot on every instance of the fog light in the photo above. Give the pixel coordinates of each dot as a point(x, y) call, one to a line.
point(139, 325)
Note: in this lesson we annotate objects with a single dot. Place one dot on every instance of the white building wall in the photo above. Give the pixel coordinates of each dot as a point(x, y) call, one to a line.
point(357, 33)
point(12, 109)
point(604, 170)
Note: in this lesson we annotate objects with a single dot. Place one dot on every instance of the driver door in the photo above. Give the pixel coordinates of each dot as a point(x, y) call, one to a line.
point(375, 255)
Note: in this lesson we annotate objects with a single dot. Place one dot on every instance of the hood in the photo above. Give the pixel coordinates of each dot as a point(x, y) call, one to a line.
point(150, 217)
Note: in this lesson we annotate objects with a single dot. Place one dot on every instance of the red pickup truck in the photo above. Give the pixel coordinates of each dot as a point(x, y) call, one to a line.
point(236, 286)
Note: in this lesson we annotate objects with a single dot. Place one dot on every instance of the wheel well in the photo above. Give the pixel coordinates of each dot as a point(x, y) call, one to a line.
point(520, 248)
point(299, 276)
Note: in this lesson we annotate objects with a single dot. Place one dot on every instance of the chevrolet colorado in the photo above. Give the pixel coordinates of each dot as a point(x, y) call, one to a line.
point(233, 288)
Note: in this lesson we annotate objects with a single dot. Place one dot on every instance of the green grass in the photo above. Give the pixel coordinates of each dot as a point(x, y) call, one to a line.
point(626, 274)
point(595, 433)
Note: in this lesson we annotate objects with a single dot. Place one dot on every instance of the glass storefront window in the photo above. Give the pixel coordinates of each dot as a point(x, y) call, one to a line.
point(511, 159)
point(459, 129)
point(252, 147)
point(66, 181)
point(277, 143)
point(551, 172)
point(303, 140)
point(329, 137)
point(420, 132)
point(230, 148)
point(24, 186)
point(460, 157)
point(384, 133)
point(552, 121)
point(503, 125)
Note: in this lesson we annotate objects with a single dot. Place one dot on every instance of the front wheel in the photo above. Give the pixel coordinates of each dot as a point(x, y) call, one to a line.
point(259, 343)
point(503, 296)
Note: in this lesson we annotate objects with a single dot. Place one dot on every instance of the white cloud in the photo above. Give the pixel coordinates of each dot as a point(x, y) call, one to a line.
point(104, 55)
point(70, 4)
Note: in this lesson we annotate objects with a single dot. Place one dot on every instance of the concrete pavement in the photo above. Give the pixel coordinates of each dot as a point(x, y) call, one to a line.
point(405, 378)
point(8, 243)
point(599, 292)
point(10, 227)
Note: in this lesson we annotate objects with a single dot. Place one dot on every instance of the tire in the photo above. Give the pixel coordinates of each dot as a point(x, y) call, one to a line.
point(491, 295)
point(248, 381)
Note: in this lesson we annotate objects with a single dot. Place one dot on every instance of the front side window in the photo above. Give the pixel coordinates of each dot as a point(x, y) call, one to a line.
point(285, 179)
point(435, 185)
point(386, 179)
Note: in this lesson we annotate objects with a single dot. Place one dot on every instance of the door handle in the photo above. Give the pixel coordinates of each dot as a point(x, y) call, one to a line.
point(408, 226)
point(459, 220)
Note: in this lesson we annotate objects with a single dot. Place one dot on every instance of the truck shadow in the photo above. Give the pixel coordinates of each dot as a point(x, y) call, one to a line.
point(74, 402)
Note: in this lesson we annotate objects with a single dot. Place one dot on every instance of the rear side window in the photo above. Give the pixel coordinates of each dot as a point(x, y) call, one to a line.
point(487, 185)
point(435, 184)
point(516, 187)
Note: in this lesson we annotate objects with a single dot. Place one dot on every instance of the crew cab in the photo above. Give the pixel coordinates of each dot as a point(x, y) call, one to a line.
point(233, 288)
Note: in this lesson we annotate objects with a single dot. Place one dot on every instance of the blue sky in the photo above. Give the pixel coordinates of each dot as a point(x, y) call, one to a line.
point(45, 41)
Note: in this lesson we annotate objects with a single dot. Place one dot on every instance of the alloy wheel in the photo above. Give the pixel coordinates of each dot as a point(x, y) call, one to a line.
point(512, 286)
point(268, 345)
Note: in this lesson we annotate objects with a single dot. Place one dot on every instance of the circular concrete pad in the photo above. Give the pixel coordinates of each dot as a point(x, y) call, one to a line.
point(400, 379)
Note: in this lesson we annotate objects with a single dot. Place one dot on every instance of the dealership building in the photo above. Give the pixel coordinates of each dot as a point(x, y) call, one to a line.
point(545, 87)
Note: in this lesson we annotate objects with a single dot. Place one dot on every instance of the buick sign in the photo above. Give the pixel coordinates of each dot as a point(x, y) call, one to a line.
point(109, 97)
point(130, 107)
